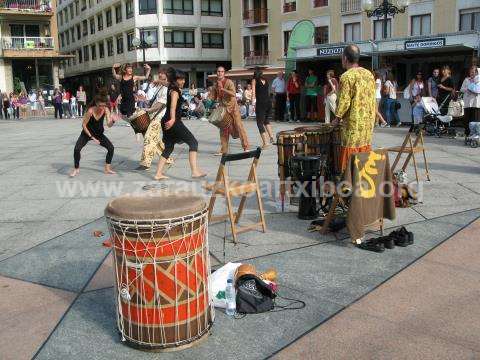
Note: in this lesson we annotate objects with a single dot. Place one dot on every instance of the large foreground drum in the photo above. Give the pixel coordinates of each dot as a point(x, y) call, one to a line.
point(162, 269)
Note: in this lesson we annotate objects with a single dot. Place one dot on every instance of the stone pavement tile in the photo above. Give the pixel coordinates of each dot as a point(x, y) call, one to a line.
point(404, 216)
point(20, 236)
point(66, 262)
point(82, 208)
point(462, 218)
point(89, 329)
point(104, 277)
point(434, 211)
point(431, 299)
point(354, 335)
point(284, 232)
point(37, 210)
point(461, 251)
point(28, 314)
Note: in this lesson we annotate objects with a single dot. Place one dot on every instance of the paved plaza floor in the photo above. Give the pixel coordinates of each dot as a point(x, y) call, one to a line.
point(56, 278)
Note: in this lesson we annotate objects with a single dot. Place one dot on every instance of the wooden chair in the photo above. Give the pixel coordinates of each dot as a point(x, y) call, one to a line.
point(411, 148)
point(223, 186)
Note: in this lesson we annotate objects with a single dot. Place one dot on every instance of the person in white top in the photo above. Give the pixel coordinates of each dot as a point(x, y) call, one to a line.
point(390, 92)
point(279, 89)
point(152, 143)
point(32, 99)
point(471, 101)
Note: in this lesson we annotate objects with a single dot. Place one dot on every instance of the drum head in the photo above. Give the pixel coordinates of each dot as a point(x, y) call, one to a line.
point(155, 206)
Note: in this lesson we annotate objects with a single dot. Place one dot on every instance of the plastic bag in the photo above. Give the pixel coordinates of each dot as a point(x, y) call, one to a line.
point(218, 283)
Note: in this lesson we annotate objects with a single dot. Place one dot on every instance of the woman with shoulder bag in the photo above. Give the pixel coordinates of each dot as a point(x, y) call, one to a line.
point(445, 89)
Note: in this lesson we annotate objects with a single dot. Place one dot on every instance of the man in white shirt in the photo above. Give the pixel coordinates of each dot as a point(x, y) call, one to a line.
point(279, 89)
point(152, 143)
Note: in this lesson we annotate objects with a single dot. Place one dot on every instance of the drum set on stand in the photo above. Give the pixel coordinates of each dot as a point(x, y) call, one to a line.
point(308, 160)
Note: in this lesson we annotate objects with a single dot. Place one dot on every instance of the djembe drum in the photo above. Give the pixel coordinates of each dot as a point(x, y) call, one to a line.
point(140, 121)
point(162, 269)
point(289, 143)
point(317, 139)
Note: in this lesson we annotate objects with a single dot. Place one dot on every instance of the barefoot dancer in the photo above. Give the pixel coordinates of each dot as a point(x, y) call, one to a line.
point(127, 80)
point(93, 130)
point(174, 130)
point(224, 92)
point(263, 106)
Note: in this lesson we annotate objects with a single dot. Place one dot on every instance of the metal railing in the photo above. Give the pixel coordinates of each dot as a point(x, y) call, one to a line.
point(256, 58)
point(26, 5)
point(350, 6)
point(255, 16)
point(27, 43)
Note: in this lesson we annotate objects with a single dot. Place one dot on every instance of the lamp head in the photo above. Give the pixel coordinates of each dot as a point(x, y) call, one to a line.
point(136, 42)
point(368, 5)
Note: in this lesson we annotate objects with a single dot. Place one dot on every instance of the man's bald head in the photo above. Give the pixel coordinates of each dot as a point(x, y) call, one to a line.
point(352, 54)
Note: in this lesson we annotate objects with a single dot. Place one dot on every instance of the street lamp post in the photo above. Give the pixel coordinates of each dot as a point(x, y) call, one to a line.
point(385, 9)
point(143, 43)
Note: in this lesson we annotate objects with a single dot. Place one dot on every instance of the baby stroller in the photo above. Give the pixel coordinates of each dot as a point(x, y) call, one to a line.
point(436, 124)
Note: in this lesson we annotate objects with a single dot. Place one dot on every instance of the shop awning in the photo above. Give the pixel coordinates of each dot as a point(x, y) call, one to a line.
point(450, 42)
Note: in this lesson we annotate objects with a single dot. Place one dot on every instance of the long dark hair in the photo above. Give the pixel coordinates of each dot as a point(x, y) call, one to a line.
point(174, 75)
point(100, 97)
point(258, 74)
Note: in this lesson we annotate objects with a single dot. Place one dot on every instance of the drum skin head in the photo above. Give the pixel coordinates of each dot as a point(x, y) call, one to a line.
point(155, 206)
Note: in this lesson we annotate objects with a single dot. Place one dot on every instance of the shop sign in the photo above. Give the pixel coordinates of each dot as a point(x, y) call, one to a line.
point(330, 51)
point(424, 44)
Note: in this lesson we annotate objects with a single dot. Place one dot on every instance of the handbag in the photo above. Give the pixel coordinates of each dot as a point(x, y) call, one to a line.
point(253, 295)
point(217, 117)
point(456, 108)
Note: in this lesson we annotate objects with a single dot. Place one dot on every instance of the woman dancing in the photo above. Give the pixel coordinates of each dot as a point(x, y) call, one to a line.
point(127, 81)
point(263, 106)
point(93, 130)
point(174, 130)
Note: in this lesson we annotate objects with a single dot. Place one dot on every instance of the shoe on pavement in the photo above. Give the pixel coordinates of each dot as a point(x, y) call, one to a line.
point(372, 245)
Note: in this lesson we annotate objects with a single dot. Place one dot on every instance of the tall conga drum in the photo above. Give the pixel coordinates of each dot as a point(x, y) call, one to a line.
point(162, 267)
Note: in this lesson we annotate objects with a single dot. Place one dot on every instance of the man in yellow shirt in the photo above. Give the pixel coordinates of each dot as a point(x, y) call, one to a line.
point(356, 106)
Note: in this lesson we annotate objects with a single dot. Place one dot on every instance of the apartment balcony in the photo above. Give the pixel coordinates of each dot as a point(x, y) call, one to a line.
point(289, 6)
point(256, 58)
point(255, 17)
point(320, 3)
point(26, 7)
point(350, 6)
point(27, 47)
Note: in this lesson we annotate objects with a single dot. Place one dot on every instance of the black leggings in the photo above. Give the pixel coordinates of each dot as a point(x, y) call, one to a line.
point(83, 139)
point(262, 112)
point(177, 134)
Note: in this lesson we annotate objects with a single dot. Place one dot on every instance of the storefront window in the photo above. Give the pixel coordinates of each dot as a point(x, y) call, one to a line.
point(470, 19)
point(421, 25)
point(352, 32)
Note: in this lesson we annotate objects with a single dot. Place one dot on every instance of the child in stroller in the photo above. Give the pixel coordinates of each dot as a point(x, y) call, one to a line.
point(435, 123)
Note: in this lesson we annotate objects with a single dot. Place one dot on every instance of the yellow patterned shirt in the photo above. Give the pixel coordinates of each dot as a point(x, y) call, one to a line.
point(357, 107)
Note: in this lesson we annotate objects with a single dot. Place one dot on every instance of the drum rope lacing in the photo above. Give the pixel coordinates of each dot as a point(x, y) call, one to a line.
point(187, 243)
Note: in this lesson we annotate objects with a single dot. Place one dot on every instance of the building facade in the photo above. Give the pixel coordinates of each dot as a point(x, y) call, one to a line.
point(29, 54)
point(191, 35)
point(430, 33)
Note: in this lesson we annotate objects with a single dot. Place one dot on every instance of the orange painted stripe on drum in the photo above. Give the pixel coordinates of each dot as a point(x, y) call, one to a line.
point(154, 250)
point(168, 314)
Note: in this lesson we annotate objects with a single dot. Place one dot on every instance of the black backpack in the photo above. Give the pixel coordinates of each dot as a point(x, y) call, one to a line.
point(253, 295)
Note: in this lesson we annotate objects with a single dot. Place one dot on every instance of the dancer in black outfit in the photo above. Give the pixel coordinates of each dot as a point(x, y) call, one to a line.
point(263, 106)
point(93, 130)
point(127, 82)
point(174, 130)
